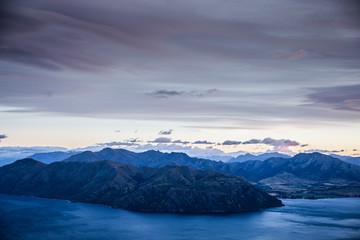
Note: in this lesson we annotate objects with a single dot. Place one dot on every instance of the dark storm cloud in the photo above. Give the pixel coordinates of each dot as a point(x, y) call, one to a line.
point(231, 142)
point(338, 97)
point(166, 132)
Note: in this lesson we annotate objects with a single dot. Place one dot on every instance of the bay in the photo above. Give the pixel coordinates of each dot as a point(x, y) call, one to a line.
point(36, 218)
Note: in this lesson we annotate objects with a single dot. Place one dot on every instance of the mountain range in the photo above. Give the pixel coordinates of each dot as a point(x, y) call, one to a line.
point(51, 157)
point(305, 172)
point(261, 157)
point(171, 189)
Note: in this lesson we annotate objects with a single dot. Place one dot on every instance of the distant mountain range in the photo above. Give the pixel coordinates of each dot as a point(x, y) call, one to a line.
point(281, 175)
point(176, 189)
point(311, 166)
point(352, 160)
point(302, 175)
point(261, 157)
point(51, 157)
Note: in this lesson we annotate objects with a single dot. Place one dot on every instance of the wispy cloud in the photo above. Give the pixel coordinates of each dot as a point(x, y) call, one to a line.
point(166, 132)
point(161, 140)
point(171, 93)
point(165, 93)
point(10, 154)
point(220, 67)
point(281, 145)
point(202, 142)
point(129, 142)
point(190, 150)
point(180, 142)
point(3, 136)
point(338, 97)
point(252, 141)
point(298, 54)
point(231, 142)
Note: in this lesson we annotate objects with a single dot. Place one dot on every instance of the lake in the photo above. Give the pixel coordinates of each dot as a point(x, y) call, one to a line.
point(35, 218)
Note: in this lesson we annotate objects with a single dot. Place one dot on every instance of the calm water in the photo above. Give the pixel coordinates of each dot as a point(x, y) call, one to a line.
point(35, 218)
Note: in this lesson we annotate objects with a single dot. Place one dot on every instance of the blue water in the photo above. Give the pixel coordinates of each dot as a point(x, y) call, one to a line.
point(36, 218)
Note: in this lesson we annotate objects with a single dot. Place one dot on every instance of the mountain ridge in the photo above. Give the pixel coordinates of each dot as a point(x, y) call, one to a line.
point(261, 157)
point(312, 171)
point(171, 189)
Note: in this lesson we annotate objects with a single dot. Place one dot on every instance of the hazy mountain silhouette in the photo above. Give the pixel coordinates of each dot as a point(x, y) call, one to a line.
point(261, 157)
point(51, 157)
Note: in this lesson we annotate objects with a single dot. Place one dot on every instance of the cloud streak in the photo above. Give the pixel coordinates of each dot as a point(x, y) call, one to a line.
point(161, 140)
point(216, 65)
point(126, 143)
point(3, 136)
point(231, 142)
point(346, 98)
point(202, 142)
point(166, 132)
point(172, 93)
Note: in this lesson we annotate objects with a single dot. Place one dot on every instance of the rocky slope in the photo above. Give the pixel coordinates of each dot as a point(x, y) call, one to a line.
point(176, 189)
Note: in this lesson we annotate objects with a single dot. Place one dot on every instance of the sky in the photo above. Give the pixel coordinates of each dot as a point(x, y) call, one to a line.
point(207, 77)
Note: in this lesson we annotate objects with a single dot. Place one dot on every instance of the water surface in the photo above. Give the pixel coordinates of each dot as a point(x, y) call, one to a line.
point(36, 218)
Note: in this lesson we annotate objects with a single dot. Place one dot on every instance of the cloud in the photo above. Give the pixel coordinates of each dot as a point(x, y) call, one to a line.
point(180, 142)
point(3, 136)
point(230, 142)
point(171, 93)
point(66, 53)
point(346, 98)
point(190, 150)
point(324, 151)
point(166, 132)
point(165, 31)
point(279, 145)
point(279, 54)
point(130, 142)
point(252, 141)
point(202, 93)
point(202, 142)
point(165, 93)
point(161, 140)
point(10, 154)
point(298, 54)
